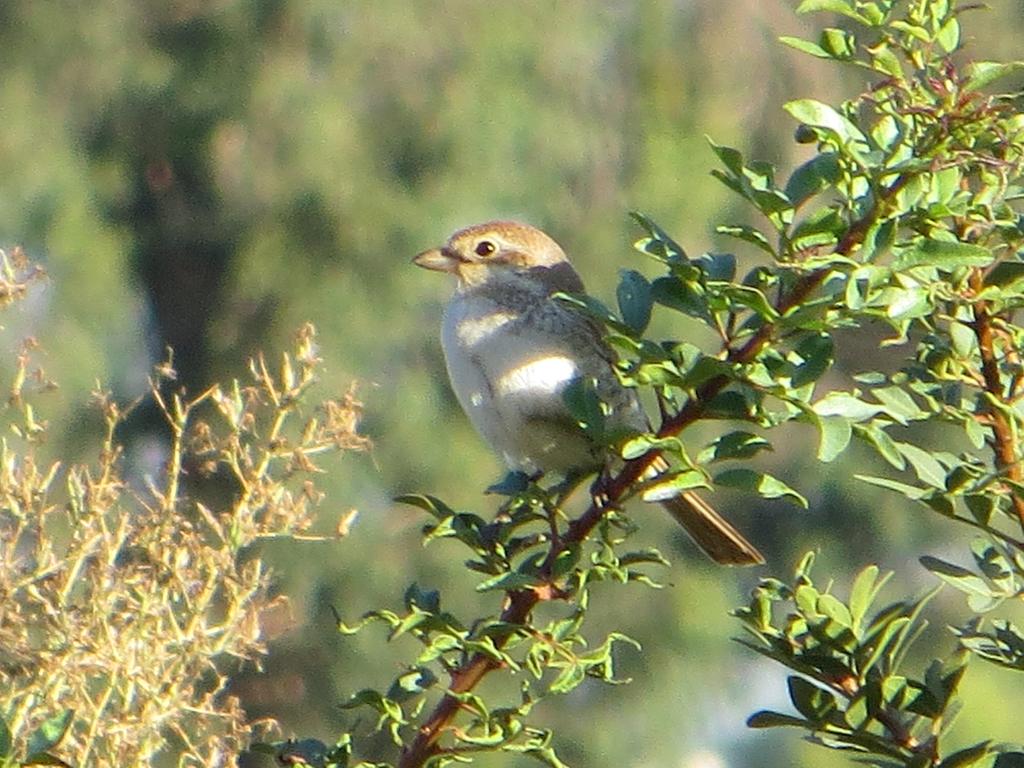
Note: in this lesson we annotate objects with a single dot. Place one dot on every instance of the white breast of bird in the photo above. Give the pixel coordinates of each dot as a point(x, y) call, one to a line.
point(511, 383)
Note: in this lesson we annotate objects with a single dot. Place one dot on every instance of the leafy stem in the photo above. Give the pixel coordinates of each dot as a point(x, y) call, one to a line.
point(610, 491)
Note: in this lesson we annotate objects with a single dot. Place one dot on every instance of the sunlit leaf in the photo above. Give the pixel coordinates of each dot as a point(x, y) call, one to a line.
point(984, 73)
point(835, 432)
point(842, 7)
point(944, 255)
point(757, 482)
point(820, 115)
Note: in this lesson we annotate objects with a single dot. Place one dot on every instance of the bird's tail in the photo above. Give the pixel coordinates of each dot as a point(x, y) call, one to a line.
point(715, 535)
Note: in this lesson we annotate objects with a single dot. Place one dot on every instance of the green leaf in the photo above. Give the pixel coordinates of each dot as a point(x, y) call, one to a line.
point(729, 405)
point(44, 758)
point(6, 740)
point(882, 443)
point(840, 43)
point(907, 303)
point(914, 30)
point(881, 641)
point(50, 733)
point(748, 234)
point(846, 405)
point(704, 369)
point(641, 444)
point(411, 684)
point(635, 300)
point(717, 266)
point(816, 175)
point(894, 688)
point(1004, 645)
point(594, 308)
point(757, 482)
point(581, 398)
point(946, 184)
point(649, 556)
point(430, 504)
point(768, 719)
point(806, 46)
point(810, 701)
point(941, 679)
point(944, 255)
point(376, 701)
point(835, 432)
point(729, 157)
point(568, 679)
point(512, 483)
point(865, 589)
point(817, 353)
point(734, 445)
point(1005, 274)
point(959, 578)
point(671, 487)
point(822, 227)
point(832, 607)
point(658, 244)
point(927, 468)
point(842, 7)
point(820, 115)
point(884, 60)
point(910, 491)
point(750, 298)
point(803, 568)
point(508, 581)
point(898, 404)
point(755, 183)
point(427, 600)
point(983, 73)
point(681, 296)
point(878, 240)
point(981, 506)
point(949, 35)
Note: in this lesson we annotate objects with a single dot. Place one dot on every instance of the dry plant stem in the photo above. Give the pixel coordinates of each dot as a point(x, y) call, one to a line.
point(521, 603)
point(177, 416)
point(144, 604)
point(1004, 444)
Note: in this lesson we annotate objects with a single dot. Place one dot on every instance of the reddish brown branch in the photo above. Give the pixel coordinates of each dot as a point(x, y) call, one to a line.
point(1004, 446)
point(522, 602)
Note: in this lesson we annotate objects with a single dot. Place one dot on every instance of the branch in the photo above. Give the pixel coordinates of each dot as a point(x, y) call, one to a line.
point(1004, 446)
point(522, 602)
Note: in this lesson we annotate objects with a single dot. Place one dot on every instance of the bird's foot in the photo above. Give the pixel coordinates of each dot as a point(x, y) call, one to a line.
point(598, 492)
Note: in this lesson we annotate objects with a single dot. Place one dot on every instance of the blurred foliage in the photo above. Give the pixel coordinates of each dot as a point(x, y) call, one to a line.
point(126, 606)
point(215, 174)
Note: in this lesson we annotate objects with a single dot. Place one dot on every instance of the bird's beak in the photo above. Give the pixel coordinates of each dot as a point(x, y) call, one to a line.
point(438, 259)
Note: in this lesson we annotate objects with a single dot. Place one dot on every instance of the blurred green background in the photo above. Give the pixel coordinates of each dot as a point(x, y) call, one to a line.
point(209, 175)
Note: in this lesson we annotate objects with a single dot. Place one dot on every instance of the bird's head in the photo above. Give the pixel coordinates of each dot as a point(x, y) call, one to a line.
point(483, 252)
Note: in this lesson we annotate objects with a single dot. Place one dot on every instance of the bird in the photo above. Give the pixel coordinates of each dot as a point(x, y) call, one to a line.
point(512, 349)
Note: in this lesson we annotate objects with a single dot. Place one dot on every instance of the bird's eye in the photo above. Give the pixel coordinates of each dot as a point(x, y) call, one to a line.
point(485, 248)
